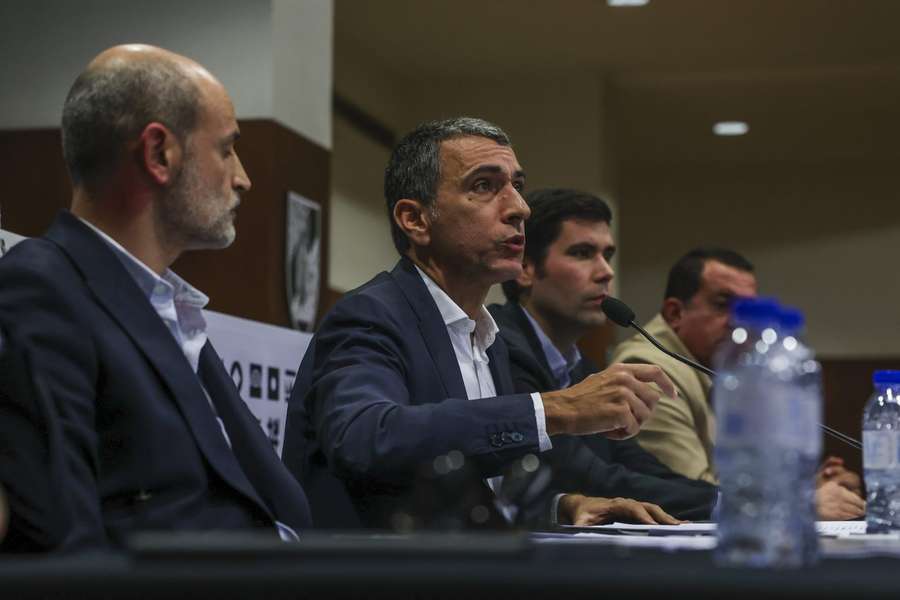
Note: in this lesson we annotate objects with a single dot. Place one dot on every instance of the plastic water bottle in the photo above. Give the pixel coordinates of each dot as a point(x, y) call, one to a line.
point(881, 423)
point(766, 517)
point(806, 414)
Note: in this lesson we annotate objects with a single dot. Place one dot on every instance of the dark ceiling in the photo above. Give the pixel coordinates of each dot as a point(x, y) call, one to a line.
point(817, 80)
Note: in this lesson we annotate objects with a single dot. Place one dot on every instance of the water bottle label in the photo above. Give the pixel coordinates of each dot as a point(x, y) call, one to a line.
point(880, 449)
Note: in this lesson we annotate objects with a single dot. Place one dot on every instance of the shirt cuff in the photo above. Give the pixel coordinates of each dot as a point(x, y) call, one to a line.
point(544, 442)
point(554, 509)
point(286, 532)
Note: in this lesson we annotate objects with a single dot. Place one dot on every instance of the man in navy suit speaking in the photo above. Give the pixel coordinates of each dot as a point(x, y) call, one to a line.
point(119, 402)
point(408, 368)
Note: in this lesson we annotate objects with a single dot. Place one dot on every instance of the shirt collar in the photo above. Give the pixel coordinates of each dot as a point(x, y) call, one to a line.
point(560, 364)
point(152, 285)
point(484, 326)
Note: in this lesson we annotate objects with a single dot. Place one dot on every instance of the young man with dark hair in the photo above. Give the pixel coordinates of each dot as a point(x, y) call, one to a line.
point(553, 303)
point(408, 368)
point(693, 320)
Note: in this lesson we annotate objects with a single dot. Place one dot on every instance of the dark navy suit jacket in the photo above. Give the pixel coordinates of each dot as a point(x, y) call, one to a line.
point(114, 409)
point(594, 465)
point(379, 393)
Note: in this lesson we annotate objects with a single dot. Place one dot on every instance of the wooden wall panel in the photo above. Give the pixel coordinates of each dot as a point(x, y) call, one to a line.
point(848, 384)
point(246, 279)
point(35, 179)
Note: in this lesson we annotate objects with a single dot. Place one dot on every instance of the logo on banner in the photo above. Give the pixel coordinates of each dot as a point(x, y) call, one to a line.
point(255, 381)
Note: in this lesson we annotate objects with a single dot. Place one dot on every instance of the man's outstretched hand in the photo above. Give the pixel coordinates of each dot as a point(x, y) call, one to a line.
point(614, 402)
point(575, 509)
point(833, 469)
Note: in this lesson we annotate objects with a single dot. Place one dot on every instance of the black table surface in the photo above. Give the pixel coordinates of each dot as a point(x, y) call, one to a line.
point(422, 565)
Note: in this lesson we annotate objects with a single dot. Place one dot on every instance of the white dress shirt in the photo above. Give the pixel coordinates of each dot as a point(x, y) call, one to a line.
point(470, 340)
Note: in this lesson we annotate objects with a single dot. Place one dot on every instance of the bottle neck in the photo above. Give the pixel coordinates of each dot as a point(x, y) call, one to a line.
point(890, 391)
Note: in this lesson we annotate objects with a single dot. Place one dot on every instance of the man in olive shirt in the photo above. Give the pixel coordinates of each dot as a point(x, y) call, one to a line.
point(693, 320)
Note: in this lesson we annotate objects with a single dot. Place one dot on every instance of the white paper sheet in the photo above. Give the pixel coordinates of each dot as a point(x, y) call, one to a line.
point(637, 528)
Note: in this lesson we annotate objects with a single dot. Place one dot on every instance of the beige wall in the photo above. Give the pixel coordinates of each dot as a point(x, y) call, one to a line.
point(821, 235)
point(823, 238)
point(360, 238)
point(273, 56)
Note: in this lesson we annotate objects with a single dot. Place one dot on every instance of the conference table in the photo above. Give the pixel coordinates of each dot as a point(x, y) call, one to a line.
point(434, 564)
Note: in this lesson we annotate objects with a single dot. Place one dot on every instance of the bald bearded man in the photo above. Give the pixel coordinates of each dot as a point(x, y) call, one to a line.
point(152, 432)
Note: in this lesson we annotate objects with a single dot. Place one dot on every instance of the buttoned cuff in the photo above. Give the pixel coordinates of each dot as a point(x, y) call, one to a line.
point(554, 509)
point(544, 442)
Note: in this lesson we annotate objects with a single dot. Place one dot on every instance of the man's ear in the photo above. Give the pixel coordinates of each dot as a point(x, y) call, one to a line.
point(160, 153)
point(415, 221)
point(672, 311)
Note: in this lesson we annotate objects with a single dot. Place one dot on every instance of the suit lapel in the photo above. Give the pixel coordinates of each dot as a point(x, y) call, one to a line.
point(523, 344)
point(499, 365)
point(280, 493)
point(117, 292)
point(431, 326)
point(523, 325)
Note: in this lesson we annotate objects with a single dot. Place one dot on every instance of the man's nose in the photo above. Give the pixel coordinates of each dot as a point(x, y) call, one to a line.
point(516, 210)
point(241, 179)
point(603, 270)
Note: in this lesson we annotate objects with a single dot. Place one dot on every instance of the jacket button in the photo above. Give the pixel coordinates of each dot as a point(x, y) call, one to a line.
point(496, 442)
point(506, 437)
point(517, 437)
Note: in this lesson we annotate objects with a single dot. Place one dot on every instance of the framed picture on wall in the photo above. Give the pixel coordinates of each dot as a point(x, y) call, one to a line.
point(302, 260)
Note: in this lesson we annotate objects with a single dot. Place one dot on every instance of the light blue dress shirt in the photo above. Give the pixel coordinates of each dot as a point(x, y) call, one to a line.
point(180, 306)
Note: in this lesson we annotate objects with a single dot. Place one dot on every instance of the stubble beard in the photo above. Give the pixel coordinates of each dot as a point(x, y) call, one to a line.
point(187, 216)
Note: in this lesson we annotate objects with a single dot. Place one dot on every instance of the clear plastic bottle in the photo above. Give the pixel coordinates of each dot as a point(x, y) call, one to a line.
point(765, 518)
point(806, 414)
point(880, 425)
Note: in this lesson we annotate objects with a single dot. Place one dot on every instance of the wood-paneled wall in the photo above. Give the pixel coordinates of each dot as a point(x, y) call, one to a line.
point(848, 384)
point(246, 279)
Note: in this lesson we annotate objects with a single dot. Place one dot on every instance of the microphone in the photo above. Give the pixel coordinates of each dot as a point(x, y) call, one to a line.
point(619, 313)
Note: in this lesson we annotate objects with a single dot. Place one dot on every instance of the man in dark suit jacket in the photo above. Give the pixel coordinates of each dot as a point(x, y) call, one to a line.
point(553, 303)
point(120, 395)
point(406, 372)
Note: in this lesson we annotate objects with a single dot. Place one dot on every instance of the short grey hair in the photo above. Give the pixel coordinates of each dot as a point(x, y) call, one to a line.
point(109, 106)
point(414, 169)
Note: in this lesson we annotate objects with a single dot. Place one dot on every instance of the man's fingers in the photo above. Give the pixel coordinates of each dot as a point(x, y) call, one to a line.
point(632, 510)
point(832, 461)
point(855, 501)
point(618, 434)
point(848, 498)
point(661, 516)
point(848, 480)
point(643, 398)
point(626, 426)
point(640, 407)
point(850, 511)
point(653, 374)
point(585, 519)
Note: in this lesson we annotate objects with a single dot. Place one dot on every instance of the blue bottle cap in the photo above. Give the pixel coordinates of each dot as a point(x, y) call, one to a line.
point(755, 312)
point(791, 319)
point(886, 377)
